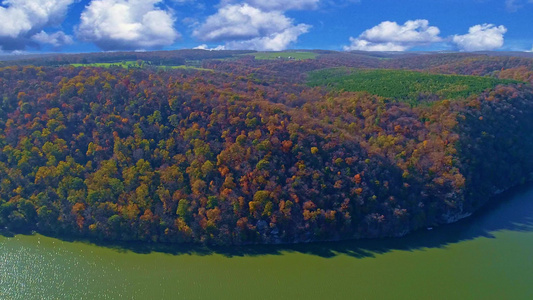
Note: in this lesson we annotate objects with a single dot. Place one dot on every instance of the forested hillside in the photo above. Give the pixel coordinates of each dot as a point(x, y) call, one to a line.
point(237, 147)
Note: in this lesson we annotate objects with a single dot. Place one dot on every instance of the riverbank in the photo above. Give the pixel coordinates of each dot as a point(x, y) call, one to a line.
point(411, 241)
point(486, 256)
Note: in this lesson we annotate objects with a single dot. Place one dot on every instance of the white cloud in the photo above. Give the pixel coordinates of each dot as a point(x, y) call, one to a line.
point(481, 38)
point(515, 5)
point(23, 18)
point(243, 26)
point(127, 24)
point(14, 52)
point(274, 42)
point(511, 5)
point(205, 47)
point(278, 5)
point(56, 39)
point(202, 47)
point(364, 45)
point(390, 36)
point(241, 22)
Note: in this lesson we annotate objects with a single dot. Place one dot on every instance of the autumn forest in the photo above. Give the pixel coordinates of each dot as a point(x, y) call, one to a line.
point(237, 147)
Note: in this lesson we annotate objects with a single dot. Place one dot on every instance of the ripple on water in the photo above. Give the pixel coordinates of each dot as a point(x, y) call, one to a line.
point(49, 271)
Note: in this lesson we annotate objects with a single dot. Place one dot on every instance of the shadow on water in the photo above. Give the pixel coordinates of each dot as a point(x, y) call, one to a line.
point(512, 211)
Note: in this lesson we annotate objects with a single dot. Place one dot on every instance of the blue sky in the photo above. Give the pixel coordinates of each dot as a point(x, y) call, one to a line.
point(371, 25)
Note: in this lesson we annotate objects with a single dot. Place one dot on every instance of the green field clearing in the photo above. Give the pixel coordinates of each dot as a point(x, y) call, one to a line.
point(402, 85)
point(285, 55)
point(123, 64)
point(186, 68)
point(137, 64)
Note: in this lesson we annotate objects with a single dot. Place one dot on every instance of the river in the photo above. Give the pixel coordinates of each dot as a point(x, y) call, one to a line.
point(487, 256)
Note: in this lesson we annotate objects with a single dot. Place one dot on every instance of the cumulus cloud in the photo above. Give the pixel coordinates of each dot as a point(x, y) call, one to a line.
point(56, 39)
point(242, 26)
point(275, 42)
point(241, 22)
point(483, 37)
point(127, 24)
point(21, 19)
point(279, 5)
point(202, 47)
point(364, 45)
point(205, 47)
point(390, 36)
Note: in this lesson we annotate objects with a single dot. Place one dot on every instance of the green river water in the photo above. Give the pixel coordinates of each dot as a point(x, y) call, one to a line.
point(487, 256)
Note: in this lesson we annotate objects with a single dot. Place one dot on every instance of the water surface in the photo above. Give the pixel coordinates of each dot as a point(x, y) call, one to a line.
point(488, 256)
